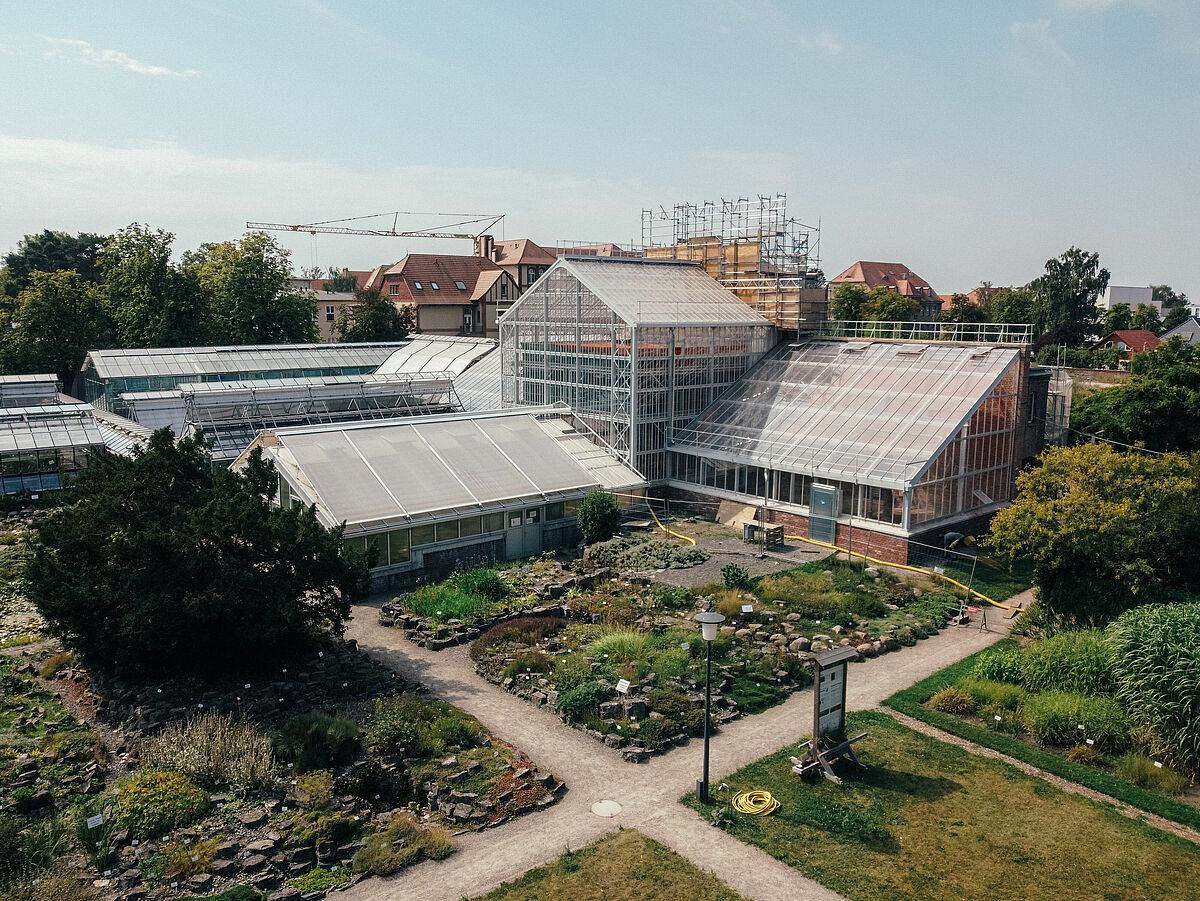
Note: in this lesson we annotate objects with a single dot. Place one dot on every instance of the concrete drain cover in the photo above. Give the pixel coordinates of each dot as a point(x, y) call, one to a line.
point(606, 808)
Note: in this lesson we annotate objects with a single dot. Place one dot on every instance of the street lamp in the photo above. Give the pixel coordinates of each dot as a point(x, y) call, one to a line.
point(709, 622)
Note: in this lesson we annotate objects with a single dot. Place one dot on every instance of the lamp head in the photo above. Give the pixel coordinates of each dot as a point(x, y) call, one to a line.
point(709, 622)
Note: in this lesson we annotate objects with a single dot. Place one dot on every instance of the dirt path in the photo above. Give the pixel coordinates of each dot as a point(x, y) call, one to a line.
point(648, 793)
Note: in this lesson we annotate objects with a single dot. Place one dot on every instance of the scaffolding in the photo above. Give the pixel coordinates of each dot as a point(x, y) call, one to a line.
point(750, 246)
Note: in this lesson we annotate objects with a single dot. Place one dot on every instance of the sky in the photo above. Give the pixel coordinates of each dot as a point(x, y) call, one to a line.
point(970, 141)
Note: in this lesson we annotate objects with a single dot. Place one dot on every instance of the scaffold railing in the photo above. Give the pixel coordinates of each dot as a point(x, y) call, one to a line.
point(1018, 333)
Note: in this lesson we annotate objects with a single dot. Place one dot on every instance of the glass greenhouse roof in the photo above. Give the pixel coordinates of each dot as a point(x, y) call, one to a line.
point(395, 470)
point(49, 427)
point(199, 361)
point(872, 412)
point(479, 387)
point(659, 292)
point(428, 353)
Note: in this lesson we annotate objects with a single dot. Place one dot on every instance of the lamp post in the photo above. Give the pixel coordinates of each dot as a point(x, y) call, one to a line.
point(709, 622)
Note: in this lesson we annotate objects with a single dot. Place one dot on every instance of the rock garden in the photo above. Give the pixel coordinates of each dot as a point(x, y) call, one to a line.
point(617, 655)
point(289, 785)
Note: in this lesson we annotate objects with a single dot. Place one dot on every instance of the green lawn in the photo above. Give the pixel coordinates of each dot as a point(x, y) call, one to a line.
point(929, 821)
point(990, 578)
point(624, 865)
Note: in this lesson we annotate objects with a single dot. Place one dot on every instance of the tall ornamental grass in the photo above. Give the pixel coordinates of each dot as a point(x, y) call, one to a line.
point(1156, 663)
point(1054, 718)
point(215, 751)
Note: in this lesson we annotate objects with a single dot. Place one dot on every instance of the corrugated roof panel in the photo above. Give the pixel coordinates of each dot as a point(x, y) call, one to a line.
point(198, 361)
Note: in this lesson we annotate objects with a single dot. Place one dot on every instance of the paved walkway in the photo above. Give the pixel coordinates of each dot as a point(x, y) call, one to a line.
point(647, 793)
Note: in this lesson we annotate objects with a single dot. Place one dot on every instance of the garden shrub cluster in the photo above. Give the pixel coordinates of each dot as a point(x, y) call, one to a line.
point(524, 630)
point(406, 724)
point(477, 592)
point(154, 802)
point(317, 740)
point(405, 842)
point(640, 553)
point(215, 751)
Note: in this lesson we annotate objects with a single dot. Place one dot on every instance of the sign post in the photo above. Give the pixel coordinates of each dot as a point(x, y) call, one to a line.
point(828, 742)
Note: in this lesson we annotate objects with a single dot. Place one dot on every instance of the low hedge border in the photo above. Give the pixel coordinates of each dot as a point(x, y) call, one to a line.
point(911, 701)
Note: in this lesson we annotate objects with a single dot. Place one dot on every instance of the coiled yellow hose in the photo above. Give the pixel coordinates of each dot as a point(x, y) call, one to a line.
point(759, 803)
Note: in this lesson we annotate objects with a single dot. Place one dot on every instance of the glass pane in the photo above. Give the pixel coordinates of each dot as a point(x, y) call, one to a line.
point(447, 531)
point(493, 522)
point(469, 526)
point(378, 544)
point(556, 512)
point(422, 535)
point(398, 544)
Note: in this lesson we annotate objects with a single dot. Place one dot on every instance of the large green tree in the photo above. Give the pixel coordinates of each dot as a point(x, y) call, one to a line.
point(154, 303)
point(1014, 305)
point(1146, 317)
point(1118, 318)
point(167, 565)
point(962, 310)
point(49, 252)
point(58, 318)
point(375, 318)
point(848, 302)
point(1067, 294)
point(1174, 306)
point(250, 301)
point(340, 280)
point(886, 305)
point(1158, 408)
point(1105, 530)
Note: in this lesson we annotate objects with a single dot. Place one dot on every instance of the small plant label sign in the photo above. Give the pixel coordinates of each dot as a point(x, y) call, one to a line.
point(684, 646)
point(97, 820)
point(747, 608)
point(1158, 764)
point(1091, 741)
point(623, 686)
point(996, 717)
point(940, 570)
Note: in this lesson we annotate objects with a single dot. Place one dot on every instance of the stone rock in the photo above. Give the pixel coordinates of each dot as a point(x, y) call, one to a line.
point(252, 818)
point(253, 862)
point(799, 645)
point(793, 617)
point(778, 638)
point(613, 740)
point(200, 882)
point(261, 847)
point(284, 894)
point(461, 812)
point(633, 755)
point(867, 649)
point(889, 642)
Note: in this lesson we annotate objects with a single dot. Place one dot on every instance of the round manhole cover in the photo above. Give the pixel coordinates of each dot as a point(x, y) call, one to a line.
point(606, 808)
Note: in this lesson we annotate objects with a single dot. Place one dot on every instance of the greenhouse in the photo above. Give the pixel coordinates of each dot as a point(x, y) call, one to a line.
point(437, 353)
point(431, 493)
point(28, 390)
point(107, 374)
point(637, 348)
point(907, 435)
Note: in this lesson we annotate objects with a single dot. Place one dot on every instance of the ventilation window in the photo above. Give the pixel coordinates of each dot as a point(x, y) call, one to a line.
point(912, 351)
point(462, 286)
point(434, 285)
point(418, 286)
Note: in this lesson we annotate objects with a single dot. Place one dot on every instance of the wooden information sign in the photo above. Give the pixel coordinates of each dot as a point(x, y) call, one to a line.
point(828, 742)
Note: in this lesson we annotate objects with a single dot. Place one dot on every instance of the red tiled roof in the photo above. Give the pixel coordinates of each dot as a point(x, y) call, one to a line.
point(510, 253)
point(443, 270)
point(891, 275)
point(1138, 340)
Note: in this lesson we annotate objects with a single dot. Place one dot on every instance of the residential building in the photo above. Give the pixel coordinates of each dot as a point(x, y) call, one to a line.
point(1128, 343)
point(525, 261)
point(895, 277)
point(451, 295)
point(1133, 296)
point(1188, 330)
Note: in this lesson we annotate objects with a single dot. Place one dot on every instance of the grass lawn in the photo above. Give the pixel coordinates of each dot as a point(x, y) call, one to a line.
point(993, 579)
point(929, 821)
point(625, 865)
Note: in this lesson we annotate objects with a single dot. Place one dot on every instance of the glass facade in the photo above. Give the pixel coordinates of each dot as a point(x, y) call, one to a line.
point(629, 376)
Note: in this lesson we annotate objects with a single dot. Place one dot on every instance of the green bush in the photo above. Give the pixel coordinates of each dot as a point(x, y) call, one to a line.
point(598, 517)
point(735, 577)
point(753, 697)
point(582, 699)
point(526, 630)
point(953, 700)
point(1054, 717)
point(485, 582)
point(1156, 656)
point(317, 740)
point(398, 725)
point(29, 846)
point(620, 647)
point(571, 671)
point(404, 842)
point(214, 750)
point(1141, 771)
point(1076, 661)
point(1002, 719)
point(317, 879)
point(1086, 754)
point(456, 732)
point(154, 802)
point(237, 893)
point(1000, 665)
point(530, 661)
point(371, 782)
point(987, 692)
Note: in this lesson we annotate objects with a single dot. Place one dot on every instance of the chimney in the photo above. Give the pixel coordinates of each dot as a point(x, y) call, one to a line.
point(485, 246)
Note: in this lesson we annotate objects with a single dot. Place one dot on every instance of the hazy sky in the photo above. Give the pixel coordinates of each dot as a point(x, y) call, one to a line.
point(968, 140)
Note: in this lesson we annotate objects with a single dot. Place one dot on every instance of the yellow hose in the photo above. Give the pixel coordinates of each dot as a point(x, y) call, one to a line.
point(759, 803)
point(691, 541)
point(914, 569)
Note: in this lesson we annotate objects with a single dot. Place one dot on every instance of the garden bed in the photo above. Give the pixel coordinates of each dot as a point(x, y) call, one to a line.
point(289, 786)
point(642, 634)
point(926, 820)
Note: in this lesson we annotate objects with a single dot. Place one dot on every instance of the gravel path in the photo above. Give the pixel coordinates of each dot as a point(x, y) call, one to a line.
point(647, 793)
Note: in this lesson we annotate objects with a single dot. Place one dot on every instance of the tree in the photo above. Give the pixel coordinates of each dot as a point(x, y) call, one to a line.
point(166, 565)
point(375, 318)
point(1158, 408)
point(1014, 305)
point(1174, 306)
point(247, 286)
point(962, 310)
point(1146, 317)
point(1067, 294)
point(598, 517)
point(345, 280)
point(59, 317)
point(153, 302)
point(886, 305)
point(1118, 319)
point(49, 252)
point(1105, 530)
point(848, 302)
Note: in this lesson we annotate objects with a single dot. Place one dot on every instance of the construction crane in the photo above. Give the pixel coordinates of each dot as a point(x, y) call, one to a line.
point(332, 227)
